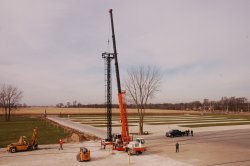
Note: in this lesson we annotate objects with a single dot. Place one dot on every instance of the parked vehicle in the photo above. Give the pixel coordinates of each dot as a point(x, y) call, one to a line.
point(175, 133)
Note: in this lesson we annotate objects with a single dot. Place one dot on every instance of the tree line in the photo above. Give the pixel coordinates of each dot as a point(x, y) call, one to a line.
point(225, 104)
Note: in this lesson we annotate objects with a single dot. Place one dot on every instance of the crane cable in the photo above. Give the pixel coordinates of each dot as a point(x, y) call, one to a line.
point(108, 41)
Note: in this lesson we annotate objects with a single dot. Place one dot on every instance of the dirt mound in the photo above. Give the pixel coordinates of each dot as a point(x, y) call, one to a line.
point(76, 136)
point(80, 137)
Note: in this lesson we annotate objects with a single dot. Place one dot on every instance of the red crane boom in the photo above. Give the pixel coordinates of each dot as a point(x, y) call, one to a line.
point(121, 94)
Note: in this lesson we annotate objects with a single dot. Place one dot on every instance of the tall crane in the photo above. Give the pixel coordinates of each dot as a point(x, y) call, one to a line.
point(132, 147)
point(121, 94)
point(122, 142)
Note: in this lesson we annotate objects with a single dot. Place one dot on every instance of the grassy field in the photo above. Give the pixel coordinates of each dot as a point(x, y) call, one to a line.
point(23, 126)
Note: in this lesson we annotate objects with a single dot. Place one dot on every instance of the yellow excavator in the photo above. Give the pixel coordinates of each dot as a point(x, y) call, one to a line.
point(23, 144)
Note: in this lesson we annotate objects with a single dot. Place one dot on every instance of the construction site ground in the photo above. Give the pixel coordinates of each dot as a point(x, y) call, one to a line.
point(223, 145)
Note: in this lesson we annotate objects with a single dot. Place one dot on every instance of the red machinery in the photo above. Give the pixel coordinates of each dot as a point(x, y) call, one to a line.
point(122, 142)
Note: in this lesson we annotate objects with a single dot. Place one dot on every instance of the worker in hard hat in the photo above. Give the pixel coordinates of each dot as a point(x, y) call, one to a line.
point(61, 144)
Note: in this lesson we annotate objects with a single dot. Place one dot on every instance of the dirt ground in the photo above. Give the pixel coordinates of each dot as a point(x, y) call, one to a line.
point(50, 155)
point(212, 146)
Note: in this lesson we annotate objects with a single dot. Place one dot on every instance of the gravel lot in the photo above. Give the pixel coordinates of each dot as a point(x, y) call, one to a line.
point(50, 155)
point(227, 148)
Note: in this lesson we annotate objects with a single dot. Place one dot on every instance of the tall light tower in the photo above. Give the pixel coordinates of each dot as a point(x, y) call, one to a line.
point(108, 92)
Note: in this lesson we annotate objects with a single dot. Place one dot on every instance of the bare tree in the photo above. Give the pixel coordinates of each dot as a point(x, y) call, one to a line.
point(9, 98)
point(142, 84)
point(74, 103)
point(68, 104)
point(60, 105)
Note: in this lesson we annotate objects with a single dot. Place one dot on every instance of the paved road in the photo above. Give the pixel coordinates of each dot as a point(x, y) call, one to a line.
point(80, 127)
point(49, 155)
point(217, 148)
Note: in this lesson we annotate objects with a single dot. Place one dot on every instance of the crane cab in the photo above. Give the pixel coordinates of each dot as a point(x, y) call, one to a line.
point(136, 147)
point(141, 141)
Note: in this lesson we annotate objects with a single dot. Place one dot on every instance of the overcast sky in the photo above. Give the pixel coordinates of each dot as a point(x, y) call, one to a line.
point(51, 49)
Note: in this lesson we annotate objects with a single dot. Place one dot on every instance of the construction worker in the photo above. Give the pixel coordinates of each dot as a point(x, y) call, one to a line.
point(177, 147)
point(61, 144)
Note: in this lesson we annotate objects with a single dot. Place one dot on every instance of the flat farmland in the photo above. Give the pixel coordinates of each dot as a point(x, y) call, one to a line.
point(96, 117)
point(90, 111)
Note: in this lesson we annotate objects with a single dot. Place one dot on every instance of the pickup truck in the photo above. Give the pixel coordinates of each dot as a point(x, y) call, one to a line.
point(175, 133)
